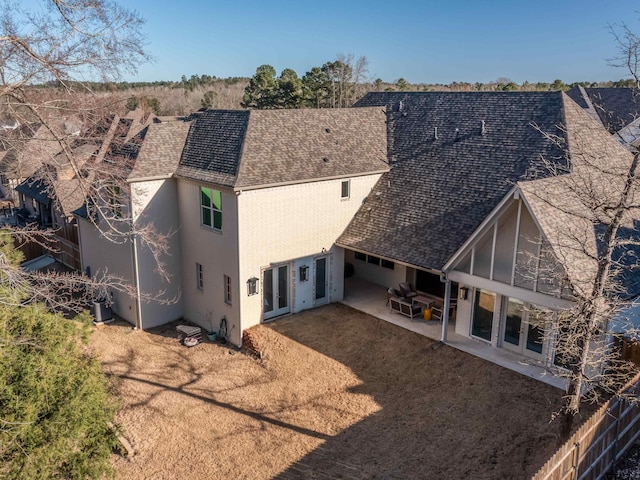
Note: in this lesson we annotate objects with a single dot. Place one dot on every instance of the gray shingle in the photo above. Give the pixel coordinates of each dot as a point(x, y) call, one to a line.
point(616, 107)
point(440, 189)
point(213, 146)
point(250, 149)
point(161, 150)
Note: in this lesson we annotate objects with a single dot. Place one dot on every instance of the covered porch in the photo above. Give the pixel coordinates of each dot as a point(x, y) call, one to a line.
point(371, 298)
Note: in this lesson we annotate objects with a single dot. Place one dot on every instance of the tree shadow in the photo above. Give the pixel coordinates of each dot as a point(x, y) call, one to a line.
point(444, 413)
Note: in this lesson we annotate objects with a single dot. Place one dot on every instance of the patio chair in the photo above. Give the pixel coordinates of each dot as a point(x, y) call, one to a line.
point(436, 314)
point(407, 290)
point(391, 292)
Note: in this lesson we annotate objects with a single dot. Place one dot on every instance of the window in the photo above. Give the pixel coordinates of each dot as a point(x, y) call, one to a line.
point(345, 189)
point(227, 289)
point(373, 260)
point(386, 264)
point(211, 208)
point(482, 318)
point(360, 256)
point(199, 277)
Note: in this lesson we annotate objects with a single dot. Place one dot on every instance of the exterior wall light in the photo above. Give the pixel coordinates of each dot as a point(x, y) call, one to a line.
point(462, 293)
point(304, 273)
point(252, 286)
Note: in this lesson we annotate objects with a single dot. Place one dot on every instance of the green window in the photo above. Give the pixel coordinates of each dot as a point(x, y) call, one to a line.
point(211, 208)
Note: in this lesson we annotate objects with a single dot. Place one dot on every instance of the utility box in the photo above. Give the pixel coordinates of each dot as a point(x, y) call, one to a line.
point(101, 312)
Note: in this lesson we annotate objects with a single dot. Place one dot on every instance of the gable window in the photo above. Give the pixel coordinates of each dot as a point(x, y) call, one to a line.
point(345, 189)
point(211, 208)
point(199, 277)
point(227, 289)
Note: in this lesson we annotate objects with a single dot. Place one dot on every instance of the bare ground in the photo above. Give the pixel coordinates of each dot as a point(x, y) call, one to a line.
point(337, 394)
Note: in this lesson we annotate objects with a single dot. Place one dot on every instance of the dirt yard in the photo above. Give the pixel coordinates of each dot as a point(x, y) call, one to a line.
point(337, 395)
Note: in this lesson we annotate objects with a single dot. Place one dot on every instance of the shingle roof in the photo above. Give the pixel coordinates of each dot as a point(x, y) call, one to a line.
point(161, 150)
point(571, 208)
point(442, 185)
point(250, 149)
point(616, 107)
point(213, 147)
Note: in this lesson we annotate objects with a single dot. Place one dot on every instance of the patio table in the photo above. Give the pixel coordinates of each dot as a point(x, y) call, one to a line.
point(426, 302)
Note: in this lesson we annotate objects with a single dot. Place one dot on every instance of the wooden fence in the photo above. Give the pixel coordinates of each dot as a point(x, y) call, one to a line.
point(64, 248)
point(599, 442)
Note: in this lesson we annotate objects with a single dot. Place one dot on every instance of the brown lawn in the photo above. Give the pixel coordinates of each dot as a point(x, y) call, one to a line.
point(337, 394)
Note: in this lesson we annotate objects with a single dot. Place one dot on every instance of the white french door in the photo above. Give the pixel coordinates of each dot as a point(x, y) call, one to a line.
point(523, 330)
point(275, 291)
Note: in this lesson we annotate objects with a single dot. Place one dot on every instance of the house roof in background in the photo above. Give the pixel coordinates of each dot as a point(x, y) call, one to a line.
point(447, 175)
point(252, 149)
point(616, 107)
point(161, 150)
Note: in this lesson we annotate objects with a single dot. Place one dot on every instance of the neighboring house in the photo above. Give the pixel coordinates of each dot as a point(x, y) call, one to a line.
point(23, 149)
point(463, 204)
point(50, 195)
point(618, 109)
point(255, 201)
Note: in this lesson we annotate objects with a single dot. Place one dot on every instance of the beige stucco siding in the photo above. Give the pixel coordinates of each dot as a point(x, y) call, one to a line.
point(217, 252)
point(155, 208)
point(295, 225)
point(102, 257)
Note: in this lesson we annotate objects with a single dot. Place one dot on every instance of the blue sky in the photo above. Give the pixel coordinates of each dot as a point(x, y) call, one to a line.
point(423, 42)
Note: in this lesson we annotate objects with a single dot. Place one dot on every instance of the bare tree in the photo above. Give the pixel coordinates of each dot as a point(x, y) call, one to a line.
point(587, 205)
point(63, 45)
point(628, 50)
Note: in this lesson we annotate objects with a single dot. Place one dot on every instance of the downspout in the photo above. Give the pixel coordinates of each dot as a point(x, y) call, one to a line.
point(136, 276)
point(446, 307)
point(134, 265)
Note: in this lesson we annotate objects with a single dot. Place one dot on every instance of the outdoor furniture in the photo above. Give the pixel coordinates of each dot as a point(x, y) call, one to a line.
point(404, 307)
point(189, 335)
point(436, 314)
point(424, 301)
point(406, 290)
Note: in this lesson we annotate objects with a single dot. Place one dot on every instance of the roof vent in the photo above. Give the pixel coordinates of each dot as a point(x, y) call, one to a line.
point(435, 133)
point(328, 130)
point(483, 128)
point(457, 132)
point(325, 159)
point(400, 106)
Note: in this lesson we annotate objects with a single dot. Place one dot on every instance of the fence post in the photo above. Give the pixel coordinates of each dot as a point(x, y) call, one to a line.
point(576, 460)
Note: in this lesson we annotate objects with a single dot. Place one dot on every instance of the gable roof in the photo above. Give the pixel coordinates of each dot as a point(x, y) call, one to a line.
point(447, 175)
point(616, 107)
point(161, 150)
point(571, 208)
point(258, 148)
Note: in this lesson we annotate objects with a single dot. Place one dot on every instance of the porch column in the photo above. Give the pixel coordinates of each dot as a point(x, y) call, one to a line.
point(445, 310)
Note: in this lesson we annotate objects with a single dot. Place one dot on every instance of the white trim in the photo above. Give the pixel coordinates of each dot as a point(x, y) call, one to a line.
point(481, 228)
point(510, 291)
point(493, 249)
point(515, 242)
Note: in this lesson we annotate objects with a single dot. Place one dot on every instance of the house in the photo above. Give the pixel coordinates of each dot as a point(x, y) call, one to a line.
point(251, 203)
point(264, 212)
point(617, 109)
point(462, 213)
point(67, 165)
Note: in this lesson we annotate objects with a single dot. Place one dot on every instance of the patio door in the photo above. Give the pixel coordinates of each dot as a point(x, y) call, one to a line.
point(482, 315)
point(320, 281)
point(275, 291)
point(523, 328)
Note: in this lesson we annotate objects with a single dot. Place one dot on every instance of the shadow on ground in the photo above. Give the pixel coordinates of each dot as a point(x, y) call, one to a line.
point(444, 413)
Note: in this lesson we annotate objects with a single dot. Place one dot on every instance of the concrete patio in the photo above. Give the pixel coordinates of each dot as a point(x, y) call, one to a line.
point(371, 298)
